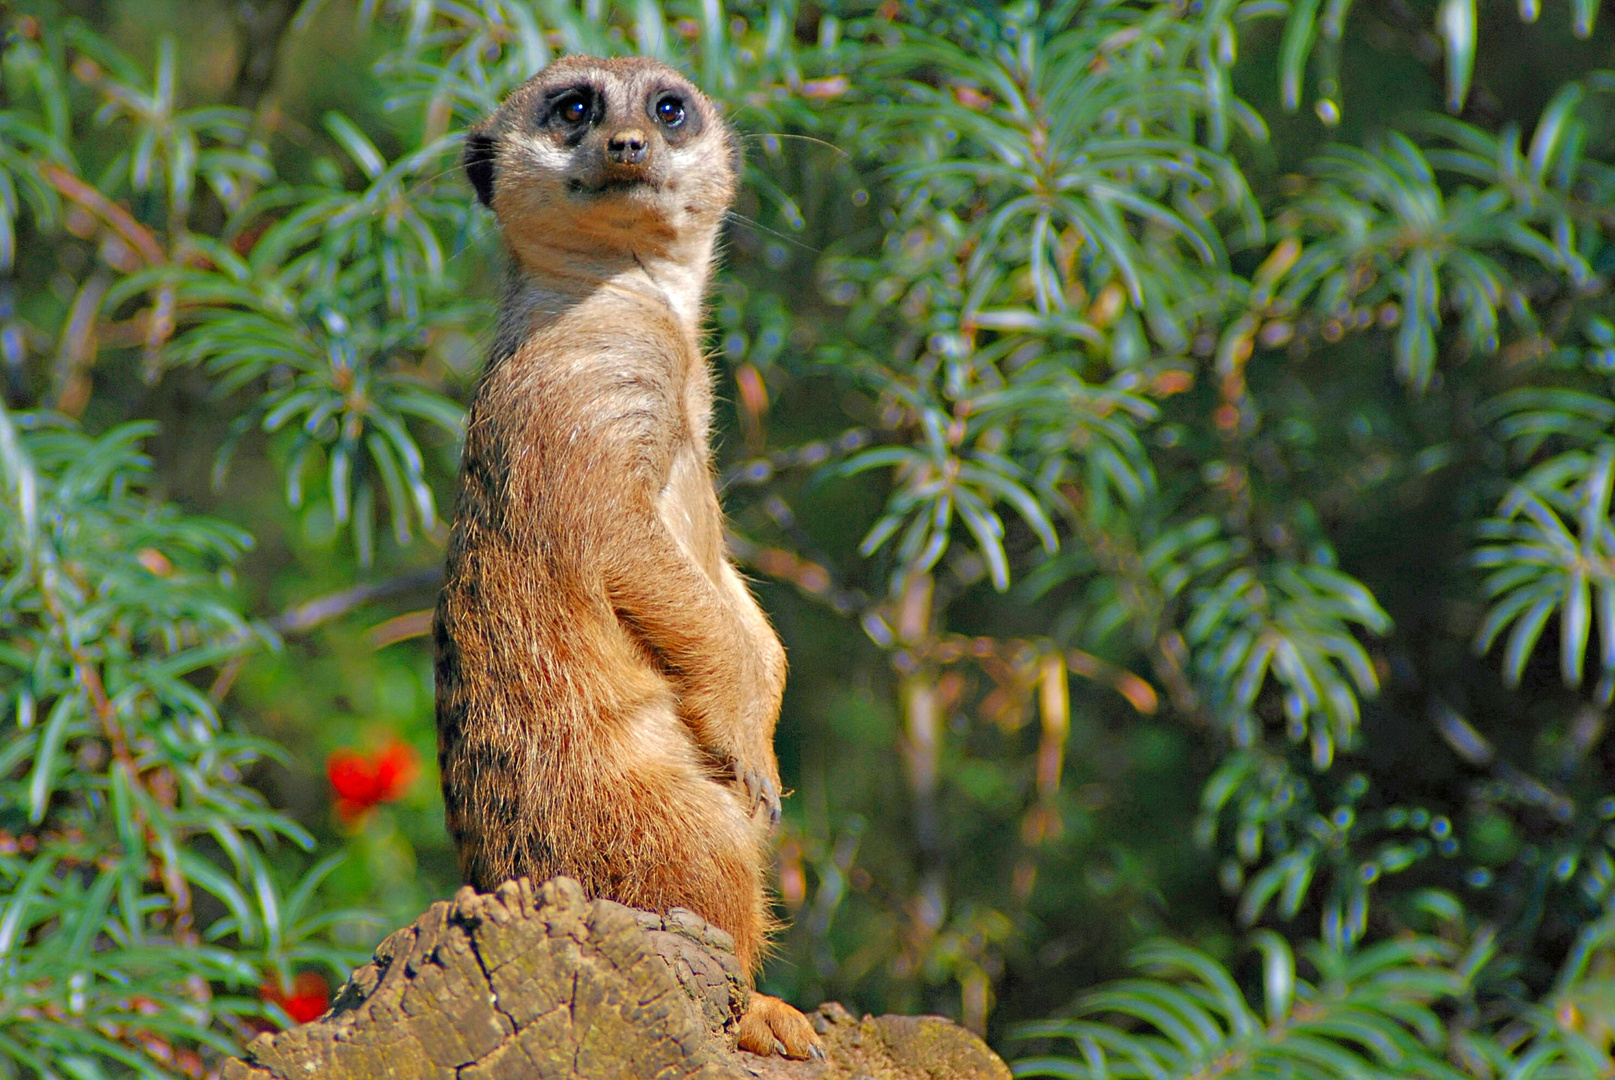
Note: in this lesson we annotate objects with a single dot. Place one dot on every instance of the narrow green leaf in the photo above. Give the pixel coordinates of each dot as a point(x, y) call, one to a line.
point(1300, 30)
point(1278, 974)
point(47, 758)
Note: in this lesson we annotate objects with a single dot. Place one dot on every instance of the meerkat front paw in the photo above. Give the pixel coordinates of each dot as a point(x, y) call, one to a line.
point(769, 1026)
point(762, 794)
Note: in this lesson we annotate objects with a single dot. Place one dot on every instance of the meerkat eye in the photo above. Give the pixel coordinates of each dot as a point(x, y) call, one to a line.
point(573, 108)
point(670, 111)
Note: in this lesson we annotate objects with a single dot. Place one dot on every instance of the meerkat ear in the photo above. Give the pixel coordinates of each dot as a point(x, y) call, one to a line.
point(478, 163)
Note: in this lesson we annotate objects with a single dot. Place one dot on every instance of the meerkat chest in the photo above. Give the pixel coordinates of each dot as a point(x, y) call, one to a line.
point(689, 508)
point(688, 503)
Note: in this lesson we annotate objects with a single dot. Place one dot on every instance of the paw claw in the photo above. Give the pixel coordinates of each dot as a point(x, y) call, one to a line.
point(761, 792)
point(769, 1026)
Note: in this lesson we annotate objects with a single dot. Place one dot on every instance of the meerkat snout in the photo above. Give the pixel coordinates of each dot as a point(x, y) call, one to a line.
point(627, 147)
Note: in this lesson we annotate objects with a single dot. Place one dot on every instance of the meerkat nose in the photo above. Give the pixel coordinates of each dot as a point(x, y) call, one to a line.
point(627, 147)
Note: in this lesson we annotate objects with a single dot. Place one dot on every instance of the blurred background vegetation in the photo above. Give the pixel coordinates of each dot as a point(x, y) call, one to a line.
point(1174, 440)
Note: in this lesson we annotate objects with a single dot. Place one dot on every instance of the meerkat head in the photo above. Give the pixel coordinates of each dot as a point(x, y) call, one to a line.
point(590, 154)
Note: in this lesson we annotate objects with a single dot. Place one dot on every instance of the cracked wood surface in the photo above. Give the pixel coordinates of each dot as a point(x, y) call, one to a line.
point(537, 982)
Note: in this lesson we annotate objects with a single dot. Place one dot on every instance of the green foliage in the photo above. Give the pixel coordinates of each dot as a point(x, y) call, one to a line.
point(1296, 625)
point(125, 816)
point(1053, 343)
point(1545, 567)
point(1371, 1014)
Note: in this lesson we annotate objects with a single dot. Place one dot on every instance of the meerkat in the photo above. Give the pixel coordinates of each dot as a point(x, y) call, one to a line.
point(607, 686)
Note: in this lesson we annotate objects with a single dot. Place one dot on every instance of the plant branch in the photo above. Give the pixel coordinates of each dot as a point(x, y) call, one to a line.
point(314, 613)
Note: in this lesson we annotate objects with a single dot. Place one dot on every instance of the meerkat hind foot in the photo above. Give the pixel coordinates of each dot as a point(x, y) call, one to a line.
point(770, 1026)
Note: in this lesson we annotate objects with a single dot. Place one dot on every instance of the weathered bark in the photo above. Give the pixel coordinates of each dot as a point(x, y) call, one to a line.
point(534, 983)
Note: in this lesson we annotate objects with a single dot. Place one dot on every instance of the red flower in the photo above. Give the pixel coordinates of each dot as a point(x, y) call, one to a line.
point(361, 781)
point(309, 997)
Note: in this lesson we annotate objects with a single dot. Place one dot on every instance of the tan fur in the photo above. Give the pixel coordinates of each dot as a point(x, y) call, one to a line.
point(607, 687)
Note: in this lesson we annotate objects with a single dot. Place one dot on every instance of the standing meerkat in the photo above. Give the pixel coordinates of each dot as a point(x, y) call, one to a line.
point(607, 687)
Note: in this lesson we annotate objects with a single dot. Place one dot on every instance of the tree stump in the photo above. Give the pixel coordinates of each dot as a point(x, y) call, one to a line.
point(535, 983)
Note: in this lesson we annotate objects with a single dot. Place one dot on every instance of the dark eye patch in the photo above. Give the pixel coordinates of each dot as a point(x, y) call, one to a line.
point(674, 112)
point(571, 107)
